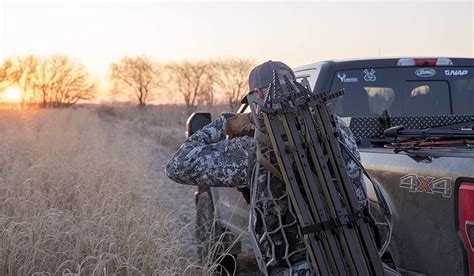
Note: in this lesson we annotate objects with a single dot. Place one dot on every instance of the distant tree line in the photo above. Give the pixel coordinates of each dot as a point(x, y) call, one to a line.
point(54, 81)
point(57, 81)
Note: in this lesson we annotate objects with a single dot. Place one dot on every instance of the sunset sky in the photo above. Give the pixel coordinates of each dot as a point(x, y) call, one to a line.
point(297, 33)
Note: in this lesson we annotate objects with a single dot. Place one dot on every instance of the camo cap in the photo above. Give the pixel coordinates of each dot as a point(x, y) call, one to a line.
point(262, 75)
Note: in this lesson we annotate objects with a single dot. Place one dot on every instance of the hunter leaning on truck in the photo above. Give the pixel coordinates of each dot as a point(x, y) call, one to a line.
point(216, 156)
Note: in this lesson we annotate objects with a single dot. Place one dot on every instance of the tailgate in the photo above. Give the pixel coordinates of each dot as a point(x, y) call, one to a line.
point(422, 195)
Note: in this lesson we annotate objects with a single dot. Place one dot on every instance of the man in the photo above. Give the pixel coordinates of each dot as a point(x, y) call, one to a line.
point(208, 158)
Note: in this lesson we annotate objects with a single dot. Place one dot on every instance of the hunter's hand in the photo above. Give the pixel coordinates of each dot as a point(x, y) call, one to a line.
point(239, 123)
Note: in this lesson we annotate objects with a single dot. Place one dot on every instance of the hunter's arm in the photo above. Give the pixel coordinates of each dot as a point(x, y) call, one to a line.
point(207, 159)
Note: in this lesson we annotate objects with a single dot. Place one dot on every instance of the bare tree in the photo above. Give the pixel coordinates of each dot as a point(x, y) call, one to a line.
point(25, 74)
point(194, 81)
point(62, 82)
point(136, 76)
point(19, 72)
point(5, 73)
point(231, 77)
point(54, 81)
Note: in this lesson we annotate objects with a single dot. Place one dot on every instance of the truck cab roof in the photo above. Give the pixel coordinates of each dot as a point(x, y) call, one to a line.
point(343, 64)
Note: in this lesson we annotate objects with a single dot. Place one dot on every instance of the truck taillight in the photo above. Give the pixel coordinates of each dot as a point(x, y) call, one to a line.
point(424, 62)
point(470, 233)
point(466, 220)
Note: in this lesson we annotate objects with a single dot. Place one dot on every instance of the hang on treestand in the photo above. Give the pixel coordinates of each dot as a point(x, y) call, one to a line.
point(297, 142)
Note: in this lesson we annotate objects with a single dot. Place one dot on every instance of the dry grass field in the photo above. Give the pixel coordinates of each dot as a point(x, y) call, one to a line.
point(83, 192)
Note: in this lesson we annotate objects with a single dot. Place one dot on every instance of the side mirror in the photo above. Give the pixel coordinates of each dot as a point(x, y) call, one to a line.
point(196, 121)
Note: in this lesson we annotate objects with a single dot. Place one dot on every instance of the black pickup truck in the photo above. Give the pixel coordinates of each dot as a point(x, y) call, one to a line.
point(429, 184)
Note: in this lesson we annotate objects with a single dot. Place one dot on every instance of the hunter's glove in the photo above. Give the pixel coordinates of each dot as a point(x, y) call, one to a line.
point(239, 123)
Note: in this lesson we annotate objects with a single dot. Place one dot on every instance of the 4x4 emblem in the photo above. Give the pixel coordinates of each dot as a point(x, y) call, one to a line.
point(427, 184)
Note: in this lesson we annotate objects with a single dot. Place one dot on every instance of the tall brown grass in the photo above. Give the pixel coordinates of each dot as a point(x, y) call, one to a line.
point(165, 124)
point(79, 195)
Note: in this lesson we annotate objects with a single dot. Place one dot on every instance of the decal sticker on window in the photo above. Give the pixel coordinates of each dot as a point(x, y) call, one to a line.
point(427, 184)
point(369, 75)
point(344, 78)
point(425, 72)
point(456, 72)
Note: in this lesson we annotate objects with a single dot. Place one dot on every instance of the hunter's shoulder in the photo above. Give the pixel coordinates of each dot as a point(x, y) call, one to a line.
point(342, 121)
point(345, 132)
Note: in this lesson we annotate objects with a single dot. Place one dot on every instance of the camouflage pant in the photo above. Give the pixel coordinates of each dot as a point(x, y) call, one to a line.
point(298, 269)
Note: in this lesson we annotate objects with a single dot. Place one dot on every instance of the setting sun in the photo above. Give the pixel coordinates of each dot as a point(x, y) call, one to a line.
point(12, 94)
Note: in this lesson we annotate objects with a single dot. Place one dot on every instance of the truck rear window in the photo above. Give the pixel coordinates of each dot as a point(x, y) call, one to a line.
point(405, 91)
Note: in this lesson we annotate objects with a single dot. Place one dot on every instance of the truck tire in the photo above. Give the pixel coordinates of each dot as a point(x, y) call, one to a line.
point(208, 233)
point(204, 223)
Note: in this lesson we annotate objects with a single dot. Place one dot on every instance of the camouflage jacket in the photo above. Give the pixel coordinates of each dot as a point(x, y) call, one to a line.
point(208, 158)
